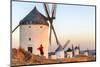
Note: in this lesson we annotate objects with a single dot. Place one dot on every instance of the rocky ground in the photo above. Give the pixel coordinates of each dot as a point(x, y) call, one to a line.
point(21, 57)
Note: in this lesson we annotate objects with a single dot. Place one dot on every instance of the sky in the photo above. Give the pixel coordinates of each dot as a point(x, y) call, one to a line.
point(73, 22)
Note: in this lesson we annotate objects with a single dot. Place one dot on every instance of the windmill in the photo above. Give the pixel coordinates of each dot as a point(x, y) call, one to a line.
point(76, 50)
point(86, 52)
point(50, 19)
point(29, 21)
point(28, 24)
point(60, 51)
point(34, 30)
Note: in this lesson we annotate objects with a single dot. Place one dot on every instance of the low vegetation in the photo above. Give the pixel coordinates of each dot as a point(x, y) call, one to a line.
point(21, 57)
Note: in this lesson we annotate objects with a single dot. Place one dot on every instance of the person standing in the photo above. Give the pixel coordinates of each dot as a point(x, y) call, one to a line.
point(41, 50)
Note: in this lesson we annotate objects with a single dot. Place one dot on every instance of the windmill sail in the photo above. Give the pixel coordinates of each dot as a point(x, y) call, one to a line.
point(51, 21)
point(54, 11)
point(57, 41)
point(15, 28)
point(50, 35)
point(66, 44)
point(47, 10)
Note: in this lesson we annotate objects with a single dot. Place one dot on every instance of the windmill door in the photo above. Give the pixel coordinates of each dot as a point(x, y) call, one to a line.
point(30, 49)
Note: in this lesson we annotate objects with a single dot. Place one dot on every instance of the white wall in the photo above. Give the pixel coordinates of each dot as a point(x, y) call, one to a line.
point(38, 36)
point(86, 53)
point(69, 54)
point(60, 54)
point(76, 51)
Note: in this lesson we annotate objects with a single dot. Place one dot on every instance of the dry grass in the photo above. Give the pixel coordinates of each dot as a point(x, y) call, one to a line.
point(21, 57)
point(79, 58)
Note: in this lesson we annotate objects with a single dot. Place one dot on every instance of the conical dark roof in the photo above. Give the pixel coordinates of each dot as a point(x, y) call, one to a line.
point(34, 17)
point(77, 47)
point(69, 50)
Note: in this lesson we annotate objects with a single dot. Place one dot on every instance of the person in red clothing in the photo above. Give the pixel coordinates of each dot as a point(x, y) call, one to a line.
point(41, 50)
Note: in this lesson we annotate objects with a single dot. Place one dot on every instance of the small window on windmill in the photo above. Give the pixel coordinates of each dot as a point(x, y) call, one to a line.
point(29, 39)
point(29, 26)
point(41, 26)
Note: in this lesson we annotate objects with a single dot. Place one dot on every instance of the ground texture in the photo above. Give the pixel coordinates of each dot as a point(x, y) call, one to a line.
point(21, 57)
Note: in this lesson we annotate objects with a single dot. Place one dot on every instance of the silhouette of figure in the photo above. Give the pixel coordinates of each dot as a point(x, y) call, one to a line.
point(41, 50)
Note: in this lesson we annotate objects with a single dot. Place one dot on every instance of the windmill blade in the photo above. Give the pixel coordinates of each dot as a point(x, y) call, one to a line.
point(57, 41)
point(66, 44)
point(54, 6)
point(47, 10)
point(51, 21)
point(50, 34)
point(16, 28)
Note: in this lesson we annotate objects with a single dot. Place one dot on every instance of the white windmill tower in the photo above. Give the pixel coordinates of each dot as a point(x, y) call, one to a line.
point(86, 52)
point(69, 53)
point(76, 50)
point(34, 30)
point(60, 52)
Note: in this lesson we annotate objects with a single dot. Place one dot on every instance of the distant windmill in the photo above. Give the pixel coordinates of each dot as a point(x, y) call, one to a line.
point(86, 52)
point(76, 50)
point(60, 52)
